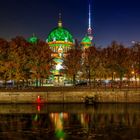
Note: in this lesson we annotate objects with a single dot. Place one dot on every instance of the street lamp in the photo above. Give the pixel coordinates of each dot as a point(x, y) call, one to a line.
point(134, 76)
point(133, 72)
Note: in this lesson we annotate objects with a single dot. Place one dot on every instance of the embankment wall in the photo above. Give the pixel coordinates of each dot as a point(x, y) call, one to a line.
point(71, 97)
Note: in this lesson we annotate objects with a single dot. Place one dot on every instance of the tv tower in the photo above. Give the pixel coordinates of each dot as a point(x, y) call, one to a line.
point(89, 31)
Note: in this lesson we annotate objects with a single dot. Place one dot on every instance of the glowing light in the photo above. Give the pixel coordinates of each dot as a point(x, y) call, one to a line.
point(60, 34)
point(65, 116)
point(38, 99)
point(36, 117)
point(89, 20)
point(86, 41)
point(89, 24)
point(33, 39)
point(59, 66)
point(132, 72)
point(57, 118)
point(57, 60)
point(60, 20)
point(38, 108)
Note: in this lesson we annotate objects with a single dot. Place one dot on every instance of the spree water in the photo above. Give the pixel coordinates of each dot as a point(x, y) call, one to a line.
point(70, 122)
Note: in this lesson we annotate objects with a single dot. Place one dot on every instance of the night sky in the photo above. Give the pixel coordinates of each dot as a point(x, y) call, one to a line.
point(111, 19)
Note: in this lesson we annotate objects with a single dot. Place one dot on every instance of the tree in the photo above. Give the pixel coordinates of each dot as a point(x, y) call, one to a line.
point(118, 57)
point(18, 56)
point(114, 58)
point(135, 57)
point(90, 62)
point(72, 63)
point(4, 62)
point(40, 61)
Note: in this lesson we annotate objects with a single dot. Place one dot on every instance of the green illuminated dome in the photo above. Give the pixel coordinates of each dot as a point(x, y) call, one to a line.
point(86, 39)
point(60, 34)
point(33, 39)
point(86, 42)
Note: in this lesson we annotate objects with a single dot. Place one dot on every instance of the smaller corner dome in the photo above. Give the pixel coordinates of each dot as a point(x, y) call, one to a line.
point(33, 39)
point(86, 39)
point(60, 34)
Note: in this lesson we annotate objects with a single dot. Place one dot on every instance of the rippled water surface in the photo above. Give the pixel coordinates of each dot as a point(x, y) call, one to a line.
point(70, 122)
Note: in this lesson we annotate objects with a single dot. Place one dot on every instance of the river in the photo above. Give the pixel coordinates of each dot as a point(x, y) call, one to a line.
point(69, 122)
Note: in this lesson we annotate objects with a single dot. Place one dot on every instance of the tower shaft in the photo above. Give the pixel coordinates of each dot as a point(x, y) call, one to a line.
point(89, 31)
point(89, 19)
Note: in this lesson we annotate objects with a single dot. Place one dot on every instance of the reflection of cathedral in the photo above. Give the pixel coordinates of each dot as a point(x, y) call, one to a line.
point(60, 40)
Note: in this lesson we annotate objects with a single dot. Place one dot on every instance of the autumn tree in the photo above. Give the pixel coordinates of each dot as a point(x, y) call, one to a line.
point(4, 62)
point(102, 71)
point(18, 57)
point(90, 62)
point(135, 57)
point(117, 60)
point(40, 61)
point(72, 63)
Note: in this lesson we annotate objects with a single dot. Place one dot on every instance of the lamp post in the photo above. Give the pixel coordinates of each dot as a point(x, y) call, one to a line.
point(135, 77)
point(132, 72)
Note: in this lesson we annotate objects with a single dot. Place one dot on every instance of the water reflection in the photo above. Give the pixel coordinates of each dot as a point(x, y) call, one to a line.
point(70, 122)
point(58, 121)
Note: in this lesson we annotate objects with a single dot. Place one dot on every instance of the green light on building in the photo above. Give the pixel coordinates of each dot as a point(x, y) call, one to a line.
point(86, 42)
point(60, 34)
point(33, 39)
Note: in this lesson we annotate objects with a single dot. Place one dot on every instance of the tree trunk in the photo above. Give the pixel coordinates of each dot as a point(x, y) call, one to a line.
point(17, 84)
point(120, 81)
point(5, 84)
point(89, 76)
point(74, 80)
point(36, 82)
point(23, 83)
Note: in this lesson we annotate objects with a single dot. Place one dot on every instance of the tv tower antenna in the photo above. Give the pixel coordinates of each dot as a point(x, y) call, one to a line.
point(89, 23)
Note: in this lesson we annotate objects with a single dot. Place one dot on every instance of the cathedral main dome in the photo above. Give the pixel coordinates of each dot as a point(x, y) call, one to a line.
point(60, 36)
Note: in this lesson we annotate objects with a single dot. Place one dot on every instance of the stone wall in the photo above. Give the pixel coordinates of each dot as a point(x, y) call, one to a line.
point(70, 97)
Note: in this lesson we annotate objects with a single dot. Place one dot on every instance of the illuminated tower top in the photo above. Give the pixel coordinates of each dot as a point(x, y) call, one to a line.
point(89, 24)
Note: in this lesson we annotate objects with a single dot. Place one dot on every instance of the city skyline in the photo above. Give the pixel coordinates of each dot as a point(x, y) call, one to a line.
point(111, 20)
